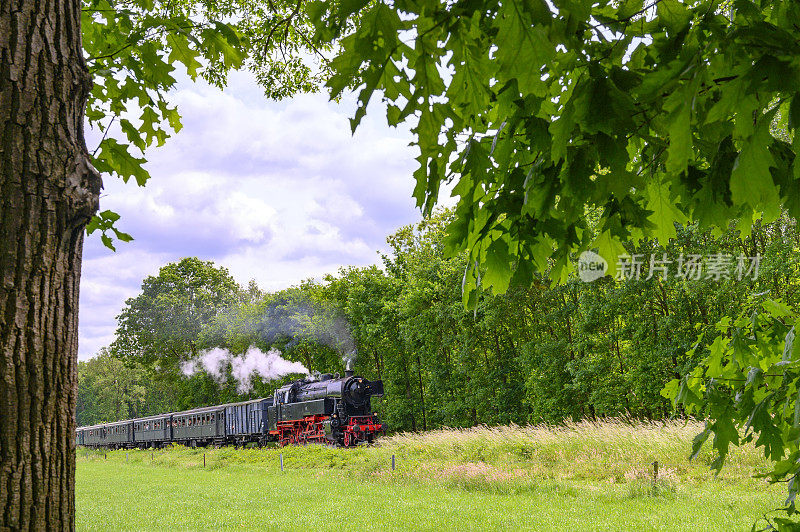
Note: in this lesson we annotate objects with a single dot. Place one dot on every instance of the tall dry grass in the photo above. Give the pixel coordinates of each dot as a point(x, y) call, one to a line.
point(613, 449)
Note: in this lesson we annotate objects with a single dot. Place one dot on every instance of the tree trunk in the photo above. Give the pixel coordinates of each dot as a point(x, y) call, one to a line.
point(48, 192)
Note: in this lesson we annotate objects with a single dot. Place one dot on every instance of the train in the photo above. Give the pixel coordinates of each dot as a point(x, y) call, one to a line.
point(327, 409)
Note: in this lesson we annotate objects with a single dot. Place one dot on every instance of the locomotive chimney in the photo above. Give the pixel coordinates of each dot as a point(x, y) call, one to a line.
point(348, 373)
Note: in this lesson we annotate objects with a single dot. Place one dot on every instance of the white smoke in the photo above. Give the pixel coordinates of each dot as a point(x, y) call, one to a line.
point(349, 359)
point(269, 366)
point(213, 361)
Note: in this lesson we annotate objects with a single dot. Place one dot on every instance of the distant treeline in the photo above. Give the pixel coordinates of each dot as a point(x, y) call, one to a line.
point(545, 352)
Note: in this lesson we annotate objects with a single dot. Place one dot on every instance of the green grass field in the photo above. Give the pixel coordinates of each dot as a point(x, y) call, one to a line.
point(580, 477)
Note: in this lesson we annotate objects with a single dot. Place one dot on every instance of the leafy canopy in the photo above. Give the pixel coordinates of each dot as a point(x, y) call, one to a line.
point(543, 112)
point(748, 390)
point(163, 323)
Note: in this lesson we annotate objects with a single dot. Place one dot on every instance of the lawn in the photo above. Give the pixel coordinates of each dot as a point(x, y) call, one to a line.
point(482, 479)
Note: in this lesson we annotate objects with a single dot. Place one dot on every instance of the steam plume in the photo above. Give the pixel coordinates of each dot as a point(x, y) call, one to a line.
point(269, 366)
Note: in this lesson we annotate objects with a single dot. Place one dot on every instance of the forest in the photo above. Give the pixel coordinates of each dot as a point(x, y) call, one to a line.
point(544, 352)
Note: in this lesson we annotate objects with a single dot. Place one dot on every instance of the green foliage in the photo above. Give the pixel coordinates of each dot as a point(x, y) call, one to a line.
point(109, 390)
point(163, 324)
point(134, 47)
point(747, 388)
point(646, 114)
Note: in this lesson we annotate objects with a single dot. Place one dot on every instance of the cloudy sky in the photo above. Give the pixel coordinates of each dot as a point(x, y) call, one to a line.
point(276, 192)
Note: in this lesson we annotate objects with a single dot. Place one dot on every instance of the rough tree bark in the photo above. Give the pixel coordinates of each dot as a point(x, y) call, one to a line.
point(48, 192)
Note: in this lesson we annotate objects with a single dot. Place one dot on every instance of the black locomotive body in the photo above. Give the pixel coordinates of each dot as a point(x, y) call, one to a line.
point(329, 410)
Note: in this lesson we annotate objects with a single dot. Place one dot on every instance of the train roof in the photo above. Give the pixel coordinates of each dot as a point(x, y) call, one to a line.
point(110, 424)
point(251, 401)
point(200, 410)
point(222, 406)
point(150, 418)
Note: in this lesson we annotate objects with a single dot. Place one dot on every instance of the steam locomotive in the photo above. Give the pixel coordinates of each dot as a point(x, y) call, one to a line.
point(327, 409)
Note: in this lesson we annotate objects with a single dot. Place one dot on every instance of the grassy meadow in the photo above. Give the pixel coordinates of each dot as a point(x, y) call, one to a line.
point(585, 476)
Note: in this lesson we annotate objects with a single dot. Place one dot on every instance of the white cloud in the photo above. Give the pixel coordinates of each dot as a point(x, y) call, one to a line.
point(278, 192)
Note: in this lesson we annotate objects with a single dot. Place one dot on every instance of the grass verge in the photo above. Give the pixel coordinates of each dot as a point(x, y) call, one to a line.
point(585, 476)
